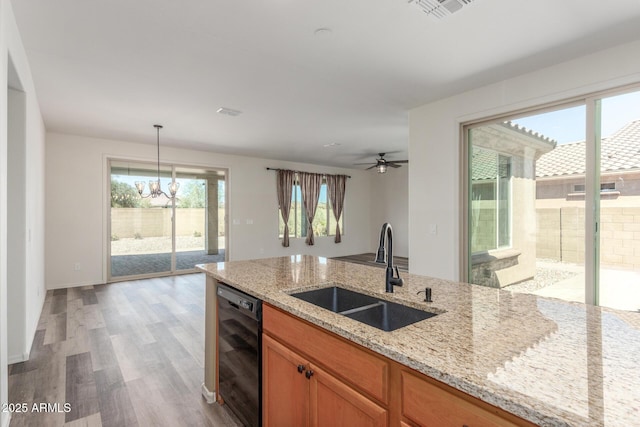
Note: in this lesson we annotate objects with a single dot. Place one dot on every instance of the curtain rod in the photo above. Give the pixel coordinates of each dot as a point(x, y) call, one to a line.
point(279, 169)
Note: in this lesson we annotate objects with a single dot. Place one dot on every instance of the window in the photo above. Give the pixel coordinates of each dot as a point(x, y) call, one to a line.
point(605, 186)
point(324, 223)
point(490, 200)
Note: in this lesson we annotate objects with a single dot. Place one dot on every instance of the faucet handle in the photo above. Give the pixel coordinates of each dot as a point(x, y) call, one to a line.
point(398, 281)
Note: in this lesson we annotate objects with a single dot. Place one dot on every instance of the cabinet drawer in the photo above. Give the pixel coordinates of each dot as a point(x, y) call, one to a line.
point(429, 405)
point(347, 361)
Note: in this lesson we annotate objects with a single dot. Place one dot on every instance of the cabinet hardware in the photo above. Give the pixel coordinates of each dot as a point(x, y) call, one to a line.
point(309, 374)
point(300, 368)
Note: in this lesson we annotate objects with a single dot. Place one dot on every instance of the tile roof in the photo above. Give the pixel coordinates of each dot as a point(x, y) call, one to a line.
point(620, 151)
point(484, 164)
point(485, 161)
point(530, 133)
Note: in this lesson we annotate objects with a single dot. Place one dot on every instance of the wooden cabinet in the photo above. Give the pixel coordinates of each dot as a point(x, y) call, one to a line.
point(354, 365)
point(333, 403)
point(312, 377)
point(285, 390)
point(426, 404)
point(296, 393)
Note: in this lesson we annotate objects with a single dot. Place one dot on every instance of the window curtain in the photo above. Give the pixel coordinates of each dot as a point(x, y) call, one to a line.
point(310, 184)
point(335, 191)
point(285, 180)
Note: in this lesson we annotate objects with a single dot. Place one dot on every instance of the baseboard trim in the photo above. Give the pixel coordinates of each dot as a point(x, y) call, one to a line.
point(6, 419)
point(17, 358)
point(209, 396)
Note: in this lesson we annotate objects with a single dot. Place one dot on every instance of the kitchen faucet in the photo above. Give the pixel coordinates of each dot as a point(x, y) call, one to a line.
point(391, 280)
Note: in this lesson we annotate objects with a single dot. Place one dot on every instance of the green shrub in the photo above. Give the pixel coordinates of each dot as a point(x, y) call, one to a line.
point(137, 236)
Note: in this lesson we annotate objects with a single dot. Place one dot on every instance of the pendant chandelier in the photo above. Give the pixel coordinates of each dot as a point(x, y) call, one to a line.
point(154, 186)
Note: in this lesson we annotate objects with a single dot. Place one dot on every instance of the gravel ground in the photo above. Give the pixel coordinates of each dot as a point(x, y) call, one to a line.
point(153, 245)
point(548, 272)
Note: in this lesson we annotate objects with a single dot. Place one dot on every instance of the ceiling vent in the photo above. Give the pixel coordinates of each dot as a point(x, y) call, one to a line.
point(440, 8)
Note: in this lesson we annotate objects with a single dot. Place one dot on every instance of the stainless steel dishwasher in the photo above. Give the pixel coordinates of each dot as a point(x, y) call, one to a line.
point(240, 353)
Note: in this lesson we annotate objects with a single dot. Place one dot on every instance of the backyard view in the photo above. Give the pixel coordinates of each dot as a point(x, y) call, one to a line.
point(142, 233)
point(324, 223)
point(527, 204)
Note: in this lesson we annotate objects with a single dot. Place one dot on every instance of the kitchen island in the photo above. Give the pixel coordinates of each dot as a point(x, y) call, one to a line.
point(547, 361)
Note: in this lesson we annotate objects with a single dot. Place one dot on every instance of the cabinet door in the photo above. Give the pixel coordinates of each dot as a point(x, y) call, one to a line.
point(333, 403)
point(285, 389)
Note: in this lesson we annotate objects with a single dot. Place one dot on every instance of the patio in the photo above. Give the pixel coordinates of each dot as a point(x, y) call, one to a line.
point(130, 265)
point(132, 257)
point(619, 288)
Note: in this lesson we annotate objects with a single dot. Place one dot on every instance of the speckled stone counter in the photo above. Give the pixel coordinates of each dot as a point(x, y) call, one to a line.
point(551, 362)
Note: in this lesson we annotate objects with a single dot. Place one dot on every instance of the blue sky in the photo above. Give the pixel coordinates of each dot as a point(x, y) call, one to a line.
point(568, 125)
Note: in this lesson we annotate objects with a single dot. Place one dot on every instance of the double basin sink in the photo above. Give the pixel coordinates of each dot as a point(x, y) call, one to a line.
point(385, 315)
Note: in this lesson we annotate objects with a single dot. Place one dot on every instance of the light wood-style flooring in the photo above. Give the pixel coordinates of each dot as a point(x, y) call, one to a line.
point(122, 354)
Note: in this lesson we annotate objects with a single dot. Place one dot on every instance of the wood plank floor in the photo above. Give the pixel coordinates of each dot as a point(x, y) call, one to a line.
point(122, 354)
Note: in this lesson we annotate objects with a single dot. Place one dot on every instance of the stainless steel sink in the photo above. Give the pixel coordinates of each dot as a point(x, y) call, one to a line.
point(381, 314)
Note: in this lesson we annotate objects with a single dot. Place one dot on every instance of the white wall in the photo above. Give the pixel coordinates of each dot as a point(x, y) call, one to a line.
point(10, 44)
point(434, 143)
point(390, 203)
point(16, 226)
point(77, 200)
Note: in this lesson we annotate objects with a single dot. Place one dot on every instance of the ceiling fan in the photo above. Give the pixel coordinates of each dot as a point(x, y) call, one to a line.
point(381, 164)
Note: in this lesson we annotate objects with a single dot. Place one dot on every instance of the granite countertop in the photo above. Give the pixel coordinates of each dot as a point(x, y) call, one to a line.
point(551, 362)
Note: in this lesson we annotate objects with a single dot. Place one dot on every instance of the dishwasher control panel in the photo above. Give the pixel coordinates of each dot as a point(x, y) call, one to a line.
point(240, 300)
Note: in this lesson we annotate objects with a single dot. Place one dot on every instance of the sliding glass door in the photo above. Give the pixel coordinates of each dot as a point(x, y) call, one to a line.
point(140, 232)
point(153, 236)
point(553, 202)
point(526, 221)
point(200, 217)
point(619, 201)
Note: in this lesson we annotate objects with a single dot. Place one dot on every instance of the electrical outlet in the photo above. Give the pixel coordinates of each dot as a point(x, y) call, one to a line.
point(76, 266)
point(433, 228)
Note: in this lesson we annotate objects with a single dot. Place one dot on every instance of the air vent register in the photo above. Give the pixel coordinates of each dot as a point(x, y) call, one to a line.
point(440, 8)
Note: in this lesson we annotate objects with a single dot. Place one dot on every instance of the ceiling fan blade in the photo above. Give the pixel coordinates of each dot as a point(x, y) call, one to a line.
point(392, 165)
point(368, 163)
point(397, 161)
point(371, 167)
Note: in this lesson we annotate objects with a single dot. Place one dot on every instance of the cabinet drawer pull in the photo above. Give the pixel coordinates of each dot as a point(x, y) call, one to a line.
point(309, 374)
point(300, 368)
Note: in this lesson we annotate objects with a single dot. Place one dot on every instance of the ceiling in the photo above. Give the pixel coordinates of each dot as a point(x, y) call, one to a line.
point(112, 69)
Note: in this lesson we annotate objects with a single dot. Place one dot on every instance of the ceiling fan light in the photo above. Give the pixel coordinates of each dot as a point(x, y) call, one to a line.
point(382, 168)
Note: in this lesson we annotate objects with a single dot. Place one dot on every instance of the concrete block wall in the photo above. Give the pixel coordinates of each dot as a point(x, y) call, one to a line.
point(129, 222)
point(560, 235)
